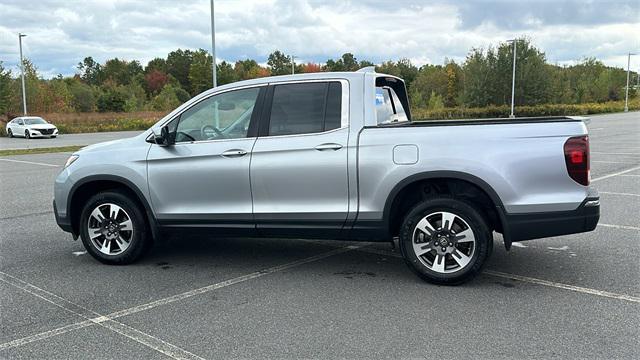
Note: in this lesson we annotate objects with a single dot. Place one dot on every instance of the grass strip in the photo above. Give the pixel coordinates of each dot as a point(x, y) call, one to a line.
point(41, 150)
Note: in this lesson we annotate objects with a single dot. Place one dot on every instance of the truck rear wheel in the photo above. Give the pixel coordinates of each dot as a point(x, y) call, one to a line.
point(445, 241)
point(113, 228)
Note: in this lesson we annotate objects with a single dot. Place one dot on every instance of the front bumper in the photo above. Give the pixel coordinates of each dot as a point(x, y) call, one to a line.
point(40, 133)
point(546, 224)
point(63, 221)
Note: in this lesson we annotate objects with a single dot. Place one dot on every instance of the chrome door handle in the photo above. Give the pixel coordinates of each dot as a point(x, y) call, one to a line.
point(328, 146)
point(234, 153)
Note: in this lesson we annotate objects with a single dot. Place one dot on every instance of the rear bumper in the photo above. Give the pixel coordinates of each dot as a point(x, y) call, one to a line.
point(540, 225)
point(63, 222)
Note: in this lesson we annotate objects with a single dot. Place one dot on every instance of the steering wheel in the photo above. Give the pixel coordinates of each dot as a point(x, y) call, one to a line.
point(206, 131)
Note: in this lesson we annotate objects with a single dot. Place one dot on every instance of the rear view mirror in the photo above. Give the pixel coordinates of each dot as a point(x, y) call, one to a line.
point(226, 106)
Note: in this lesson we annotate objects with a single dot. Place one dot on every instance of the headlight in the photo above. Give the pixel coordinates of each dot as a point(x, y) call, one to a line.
point(70, 160)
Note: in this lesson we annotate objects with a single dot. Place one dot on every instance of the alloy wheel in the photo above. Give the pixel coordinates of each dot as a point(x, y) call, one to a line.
point(110, 229)
point(444, 242)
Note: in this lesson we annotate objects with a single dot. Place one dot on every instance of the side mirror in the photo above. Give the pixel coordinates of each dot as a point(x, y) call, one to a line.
point(165, 138)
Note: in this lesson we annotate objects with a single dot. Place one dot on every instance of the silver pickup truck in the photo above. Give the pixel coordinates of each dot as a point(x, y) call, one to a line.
point(331, 156)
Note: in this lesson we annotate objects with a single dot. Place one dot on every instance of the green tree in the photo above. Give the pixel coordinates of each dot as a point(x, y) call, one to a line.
point(200, 76)
point(279, 63)
point(158, 64)
point(455, 84)
point(430, 79)
point(179, 65)
point(54, 96)
point(347, 62)
point(5, 89)
point(247, 69)
point(181, 94)
point(403, 69)
point(478, 78)
point(365, 63)
point(82, 96)
point(120, 71)
point(225, 73)
point(167, 99)
point(32, 83)
point(90, 71)
point(435, 101)
point(112, 99)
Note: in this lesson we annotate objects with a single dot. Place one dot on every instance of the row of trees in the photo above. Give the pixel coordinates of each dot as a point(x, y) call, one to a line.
point(484, 78)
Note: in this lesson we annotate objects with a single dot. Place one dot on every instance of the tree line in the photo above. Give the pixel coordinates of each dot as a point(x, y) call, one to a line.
point(482, 79)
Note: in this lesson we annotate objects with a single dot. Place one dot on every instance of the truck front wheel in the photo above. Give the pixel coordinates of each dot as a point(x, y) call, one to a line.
point(445, 241)
point(113, 228)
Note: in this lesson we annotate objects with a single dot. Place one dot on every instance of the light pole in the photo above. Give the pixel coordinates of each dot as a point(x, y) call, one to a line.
point(24, 93)
point(213, 44)
point(513, 78)
point(293, 64)
point(626, 92)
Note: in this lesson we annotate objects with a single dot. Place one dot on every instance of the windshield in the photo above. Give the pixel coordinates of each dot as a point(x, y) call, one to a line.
point(34, 121)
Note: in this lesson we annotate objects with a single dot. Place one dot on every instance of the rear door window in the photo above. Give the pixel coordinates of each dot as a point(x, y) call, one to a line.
point(305, 108)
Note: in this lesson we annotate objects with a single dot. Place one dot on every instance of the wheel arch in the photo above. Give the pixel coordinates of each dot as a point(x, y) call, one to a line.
point(90, 185)
point(393, 204)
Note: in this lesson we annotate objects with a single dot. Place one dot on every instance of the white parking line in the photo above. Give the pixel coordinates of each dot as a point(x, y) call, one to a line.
point(45, 335)
point(615, 174)
point(625, 227)
point(91, 317)
point(108, 320)
point(532, 280)
point(618, 193)
point(630, 175)
point(30, 162)
point(558, 285)
point(226, 283)
point(149, 340)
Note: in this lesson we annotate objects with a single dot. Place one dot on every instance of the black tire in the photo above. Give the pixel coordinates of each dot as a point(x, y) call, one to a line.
point(140, 240)
point(475, 220)
point(9, 133)
point(54, 136)
point(27, 135)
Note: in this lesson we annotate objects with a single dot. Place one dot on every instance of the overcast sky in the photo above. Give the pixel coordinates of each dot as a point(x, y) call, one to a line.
point(61, 33)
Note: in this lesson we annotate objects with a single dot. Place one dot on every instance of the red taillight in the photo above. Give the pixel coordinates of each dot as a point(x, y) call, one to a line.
point(576, 156)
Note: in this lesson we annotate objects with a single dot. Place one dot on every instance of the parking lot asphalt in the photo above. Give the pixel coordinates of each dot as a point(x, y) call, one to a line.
point(63, 140)
point(575, 296)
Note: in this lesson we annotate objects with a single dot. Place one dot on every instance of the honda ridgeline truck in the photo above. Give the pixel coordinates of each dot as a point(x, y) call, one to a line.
point(331, 156)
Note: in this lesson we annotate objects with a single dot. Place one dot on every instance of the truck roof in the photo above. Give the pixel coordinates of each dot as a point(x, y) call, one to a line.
point(305, 76)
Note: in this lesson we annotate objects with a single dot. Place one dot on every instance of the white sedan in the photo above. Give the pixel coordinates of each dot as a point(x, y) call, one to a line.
point(31, 127)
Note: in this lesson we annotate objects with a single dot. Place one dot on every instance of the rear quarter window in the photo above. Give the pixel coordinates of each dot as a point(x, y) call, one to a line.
point(388, 106)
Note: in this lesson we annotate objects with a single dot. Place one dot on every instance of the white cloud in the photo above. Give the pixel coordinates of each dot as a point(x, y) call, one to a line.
point(61, 33)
